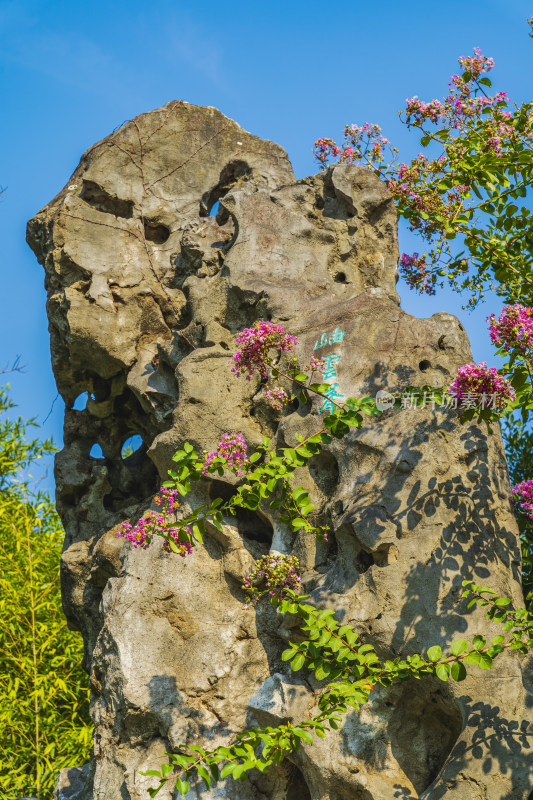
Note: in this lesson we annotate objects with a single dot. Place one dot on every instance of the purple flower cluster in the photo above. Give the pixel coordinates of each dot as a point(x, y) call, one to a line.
point(156, 523)
point(184, 547)
point(167, 500)
point(255, 345)
point(272, 575)
point(524, 495)
point(413, 269)
point(231, 450)
point(361, 142)
point(513, 329)
point(482, 383)
point(461, 104)
point(477, 64)
point(278, 397)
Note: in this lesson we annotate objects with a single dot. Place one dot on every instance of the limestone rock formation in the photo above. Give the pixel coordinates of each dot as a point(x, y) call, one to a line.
point(146, 289)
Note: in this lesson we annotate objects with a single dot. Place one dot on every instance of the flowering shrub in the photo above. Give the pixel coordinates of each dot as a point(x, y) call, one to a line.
point(477, 385)
point(153, 523)
point(278, 397)
point(351, 670)
point(416, 274)
point(230, 452)
point(256, 344)
point(273, 575)
point(363, 142)
point(513, 329)
point(467, 189)
point(524, 494)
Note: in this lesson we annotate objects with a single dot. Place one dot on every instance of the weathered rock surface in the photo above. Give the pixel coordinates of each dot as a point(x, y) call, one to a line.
point(145, 292)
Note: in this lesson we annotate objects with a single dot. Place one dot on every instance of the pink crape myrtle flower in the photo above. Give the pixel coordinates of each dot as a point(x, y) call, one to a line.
point(477, 64)
point(413, 269)
point(255, 345)
point(232, 449)
point(482, 386)
point(317, 364)
point(167, 500)
point(513, 329)
point(278, 397)
point(184, 547)
point(524, 494)
point(157, 523)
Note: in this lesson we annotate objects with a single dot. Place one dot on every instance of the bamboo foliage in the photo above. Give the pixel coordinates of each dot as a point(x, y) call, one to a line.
point(44, 723)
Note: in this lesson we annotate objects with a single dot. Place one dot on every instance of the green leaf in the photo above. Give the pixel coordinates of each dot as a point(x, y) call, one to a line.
point(197, 531)
point(320, 387)
point(227, 770)
point(298, 523)
point(458, 671)
point(287, 654)
point(182, 786)
point(204, 774)
point(303, 734)
point(322, 672)
point(459, 646)
point(478, 643)
point(434, 653)
point(442, 671)
point(297, 662)
point(485, 661)
point(301, 377)
point(501, 602)
point(303, 450)
point(183, 761)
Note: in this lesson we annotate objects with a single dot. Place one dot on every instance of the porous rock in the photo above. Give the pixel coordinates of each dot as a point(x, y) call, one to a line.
point(146, 290)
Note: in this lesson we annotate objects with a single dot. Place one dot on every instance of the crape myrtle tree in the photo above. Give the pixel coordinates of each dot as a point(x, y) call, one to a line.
point(44, 723)
point(467, 200)
point(466, 197)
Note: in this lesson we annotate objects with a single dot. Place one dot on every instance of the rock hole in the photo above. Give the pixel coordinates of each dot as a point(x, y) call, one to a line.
point(423, 728)
point(363, 561)
point(340, 277)
point(236, 173)
point(99, 389)
point(96, 451)
point(424, 365)
point(131, 445)
point(297, 788)
point(98, 198)
point(156, 232)
point(80, 403)
point(324, 470)
point(252, 525)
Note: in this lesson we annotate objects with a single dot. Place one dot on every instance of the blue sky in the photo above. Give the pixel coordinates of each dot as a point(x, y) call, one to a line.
point(71, 72)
